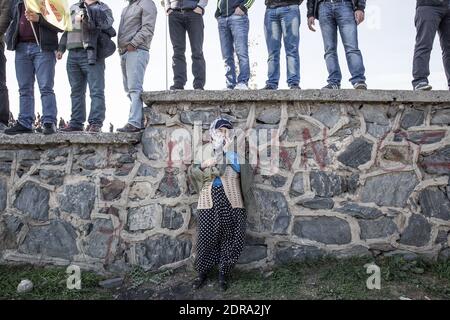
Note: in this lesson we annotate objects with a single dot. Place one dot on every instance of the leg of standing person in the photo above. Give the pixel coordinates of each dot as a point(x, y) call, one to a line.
point(4, 99)
point(427, 22)
point(226, 46)
point(444, 34)
point(195, 29)
point(78, 84)
point(348, 29)
point(272, 31)
point(177, 30)
point(239, 28)
point(96, 82)
point(290, 22)
point(328, 26)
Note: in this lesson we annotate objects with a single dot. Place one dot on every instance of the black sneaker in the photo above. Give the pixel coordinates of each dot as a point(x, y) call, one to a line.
point(295, 87)
point(175, 87)
point(423, 86)
point(267, 87)
point(3, 127)
point(129, 128)
point(332, 86)
point(199, 281)
point(360, 86)
point(49, 128)
point(17, 129)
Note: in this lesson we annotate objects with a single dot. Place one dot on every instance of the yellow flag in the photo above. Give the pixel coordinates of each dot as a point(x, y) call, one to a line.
point(55, 12)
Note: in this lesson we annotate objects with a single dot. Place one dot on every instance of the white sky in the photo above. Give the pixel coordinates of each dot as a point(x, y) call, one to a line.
point(386, 41)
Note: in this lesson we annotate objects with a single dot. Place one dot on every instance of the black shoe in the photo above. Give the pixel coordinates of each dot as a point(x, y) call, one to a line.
point(295, 87)
point(174, 87)
point(199, 88)
point(267, 87)
point(199, 281)
point(223, 284)
point(70, 128)
point(332, 86)
point(360, 86)
point(129, 128)
point(423, 86)
point(49, 128)
point(17, 129)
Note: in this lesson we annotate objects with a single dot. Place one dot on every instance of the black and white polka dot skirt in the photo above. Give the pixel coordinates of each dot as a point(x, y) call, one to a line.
point(221, 234)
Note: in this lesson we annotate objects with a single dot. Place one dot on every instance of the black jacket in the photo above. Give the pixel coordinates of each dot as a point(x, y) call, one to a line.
point(313, 7)
point(48, 34)
point(226, 8)
point(432, 3)
point(282, 3)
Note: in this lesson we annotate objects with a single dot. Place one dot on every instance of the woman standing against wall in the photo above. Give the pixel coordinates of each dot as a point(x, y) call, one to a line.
point(224, 183)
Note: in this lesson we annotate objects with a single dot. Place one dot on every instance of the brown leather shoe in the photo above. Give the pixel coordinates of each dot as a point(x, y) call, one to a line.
point(129, 128)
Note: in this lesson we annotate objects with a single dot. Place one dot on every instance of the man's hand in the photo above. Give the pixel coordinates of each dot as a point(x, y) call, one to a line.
point(311, 23)
point(198, 10)
point(31, 16)
point(130, 48)
point(239, 12)
point(59, 55)
point(208, 163)
point(359, 16)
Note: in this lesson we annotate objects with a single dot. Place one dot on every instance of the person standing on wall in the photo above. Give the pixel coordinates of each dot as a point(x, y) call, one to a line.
point(88, 16)
point(282, 20)
point(186, 16)
point(232, 17)
point(136, 30)
point(35, 59)
point(431, 16)
point(4, 100)
point(345, 16)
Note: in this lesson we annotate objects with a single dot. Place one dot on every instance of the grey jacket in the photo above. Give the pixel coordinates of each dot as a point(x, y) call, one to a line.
point(137, 24)
point(185, 4)
point(4, 17)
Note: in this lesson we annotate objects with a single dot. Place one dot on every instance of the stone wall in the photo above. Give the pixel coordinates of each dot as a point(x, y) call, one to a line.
point(360, 173)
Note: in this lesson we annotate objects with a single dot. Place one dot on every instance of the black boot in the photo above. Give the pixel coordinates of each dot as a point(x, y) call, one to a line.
point(200, 281)
point(223, 284)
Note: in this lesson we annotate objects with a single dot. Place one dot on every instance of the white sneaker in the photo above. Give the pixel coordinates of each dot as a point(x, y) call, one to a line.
point(241, 86)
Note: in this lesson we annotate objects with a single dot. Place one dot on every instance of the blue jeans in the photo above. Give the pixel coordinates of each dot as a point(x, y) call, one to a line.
point(334, 16)
point(134, 65)
point(283, 22)
point(80, 75)
point(233, 32)
point(33, 64)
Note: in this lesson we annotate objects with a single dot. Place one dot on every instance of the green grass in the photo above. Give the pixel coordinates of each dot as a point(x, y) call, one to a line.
point(49, 284)
point(327, 278)
point(345, 279)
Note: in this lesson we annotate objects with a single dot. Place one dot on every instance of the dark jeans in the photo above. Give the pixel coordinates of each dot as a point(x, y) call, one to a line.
point(179, 24)
point(430, 20)
point(4, 100)
point(81, 74)
point(340, 16)
point(33, 63)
